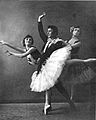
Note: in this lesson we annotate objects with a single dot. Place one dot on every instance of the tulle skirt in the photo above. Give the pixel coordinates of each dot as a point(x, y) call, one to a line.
point(51, 71)
point(79, 73)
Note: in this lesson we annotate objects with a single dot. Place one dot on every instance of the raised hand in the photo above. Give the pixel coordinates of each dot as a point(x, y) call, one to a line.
point(2, 42)
point(41, 16)
point(8, 52)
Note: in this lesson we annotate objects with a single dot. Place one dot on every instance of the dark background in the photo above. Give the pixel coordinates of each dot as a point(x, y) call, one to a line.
point(19, 18)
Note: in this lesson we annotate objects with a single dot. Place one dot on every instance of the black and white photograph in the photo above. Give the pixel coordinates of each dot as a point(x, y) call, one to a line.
point(47, 60)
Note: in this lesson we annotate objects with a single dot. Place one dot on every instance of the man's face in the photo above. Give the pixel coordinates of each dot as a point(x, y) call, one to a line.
point(50, 33)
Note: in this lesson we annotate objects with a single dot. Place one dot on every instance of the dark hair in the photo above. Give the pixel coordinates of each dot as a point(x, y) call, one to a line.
point(54, 28)
point(27, 36)
point(72, 28)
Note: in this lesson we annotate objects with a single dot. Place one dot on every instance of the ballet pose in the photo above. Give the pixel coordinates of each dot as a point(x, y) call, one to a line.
point(55, 56)
point(30, 51)
point(79, 72)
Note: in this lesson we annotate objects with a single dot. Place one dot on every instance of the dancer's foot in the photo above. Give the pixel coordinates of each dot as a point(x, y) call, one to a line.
point(46, 109)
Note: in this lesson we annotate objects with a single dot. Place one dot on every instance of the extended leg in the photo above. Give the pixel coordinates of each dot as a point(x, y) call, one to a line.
point(72, 61)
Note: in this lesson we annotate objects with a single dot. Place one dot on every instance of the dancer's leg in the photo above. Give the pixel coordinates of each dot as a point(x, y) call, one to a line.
point(72, 61)
point(48, 97)
point(64, 92)
point(47, 106)
point(72, 92)
point(90, 60)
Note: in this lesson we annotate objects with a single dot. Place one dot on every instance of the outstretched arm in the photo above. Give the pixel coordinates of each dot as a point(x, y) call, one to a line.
point(22, 55)
point(11, 46)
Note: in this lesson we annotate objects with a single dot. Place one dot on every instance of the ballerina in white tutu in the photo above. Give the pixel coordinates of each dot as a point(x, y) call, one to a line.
point(55, 56)
point(30, 51)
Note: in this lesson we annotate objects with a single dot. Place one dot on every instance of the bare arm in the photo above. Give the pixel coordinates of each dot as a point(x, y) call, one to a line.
point(22, 55)
point(11, 46)
point(76, 44)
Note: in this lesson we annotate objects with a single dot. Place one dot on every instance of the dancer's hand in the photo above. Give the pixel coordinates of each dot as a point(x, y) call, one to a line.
point(2, 42)
point(41, 16)
point(66, 41)
point(8, 53)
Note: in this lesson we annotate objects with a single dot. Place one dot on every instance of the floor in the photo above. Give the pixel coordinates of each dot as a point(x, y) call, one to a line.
point(33, 111)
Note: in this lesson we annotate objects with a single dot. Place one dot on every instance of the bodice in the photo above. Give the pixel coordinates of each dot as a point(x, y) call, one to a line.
point(74, 51)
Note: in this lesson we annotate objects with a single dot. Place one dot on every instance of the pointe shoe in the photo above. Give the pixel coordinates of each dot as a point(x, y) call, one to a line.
point(46, 109)
point(50, 108)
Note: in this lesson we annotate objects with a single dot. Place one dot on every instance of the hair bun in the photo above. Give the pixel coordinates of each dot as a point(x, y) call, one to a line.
point(71, 28)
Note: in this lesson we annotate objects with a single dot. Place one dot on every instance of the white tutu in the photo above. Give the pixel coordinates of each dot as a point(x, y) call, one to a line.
point(51, 71)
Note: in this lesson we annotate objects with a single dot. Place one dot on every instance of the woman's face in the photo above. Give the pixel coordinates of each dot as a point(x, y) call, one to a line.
point(76, 31)
point(28, 41)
